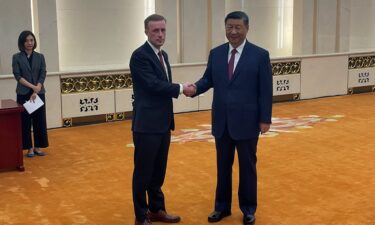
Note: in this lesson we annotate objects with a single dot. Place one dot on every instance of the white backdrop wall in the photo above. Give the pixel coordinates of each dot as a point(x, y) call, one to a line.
point(169, 9)
point(271, 23)
point(344, 26)
point(326, 26)
point(217, 23)
point(362, 25)
point(80, 35)
point(194, 30)
point(47, 33)
point(98, 34)
point(303, 27)
point(15, 16)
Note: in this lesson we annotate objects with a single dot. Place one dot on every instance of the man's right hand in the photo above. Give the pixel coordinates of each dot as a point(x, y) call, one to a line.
point(189, 89)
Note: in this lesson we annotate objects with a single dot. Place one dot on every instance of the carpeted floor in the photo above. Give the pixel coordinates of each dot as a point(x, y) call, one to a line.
point(316, 167)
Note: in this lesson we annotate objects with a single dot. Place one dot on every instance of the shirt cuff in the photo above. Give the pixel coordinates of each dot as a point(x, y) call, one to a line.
point(181, 89)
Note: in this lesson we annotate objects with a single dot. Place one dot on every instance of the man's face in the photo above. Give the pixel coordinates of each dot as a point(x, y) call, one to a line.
point(155, 32)
point(236, 31)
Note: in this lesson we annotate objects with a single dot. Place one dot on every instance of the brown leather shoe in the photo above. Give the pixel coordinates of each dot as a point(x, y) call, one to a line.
point(163, 216)
point(146, 222)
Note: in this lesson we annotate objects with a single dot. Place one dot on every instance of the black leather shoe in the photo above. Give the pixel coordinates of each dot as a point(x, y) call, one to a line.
point(248, 219)
point(216, 216)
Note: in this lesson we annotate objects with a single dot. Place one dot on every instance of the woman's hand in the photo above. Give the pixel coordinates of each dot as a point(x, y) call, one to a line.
point(37, 88)
point(33, 97)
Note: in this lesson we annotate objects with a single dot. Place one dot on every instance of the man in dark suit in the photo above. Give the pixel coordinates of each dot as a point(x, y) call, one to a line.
point(241, 76)
point(152, 122)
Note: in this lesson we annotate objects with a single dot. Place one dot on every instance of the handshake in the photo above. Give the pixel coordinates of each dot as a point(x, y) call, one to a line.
point(189, 89)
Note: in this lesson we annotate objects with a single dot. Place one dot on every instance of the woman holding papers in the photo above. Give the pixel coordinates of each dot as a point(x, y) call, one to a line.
point(29, 69)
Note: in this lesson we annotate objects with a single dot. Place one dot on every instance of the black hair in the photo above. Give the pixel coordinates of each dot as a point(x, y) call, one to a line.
point(238, 15)
point(22, 39)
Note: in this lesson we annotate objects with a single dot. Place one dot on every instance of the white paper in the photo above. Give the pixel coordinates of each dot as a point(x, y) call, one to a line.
point(32, 106)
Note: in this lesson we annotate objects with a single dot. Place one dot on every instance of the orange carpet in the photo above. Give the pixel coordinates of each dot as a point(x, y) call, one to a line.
point(316, 167)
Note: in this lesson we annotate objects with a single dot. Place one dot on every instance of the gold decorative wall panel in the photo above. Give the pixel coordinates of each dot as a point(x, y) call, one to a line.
point(120, 116)
point(110, 117)
point(67, 122)
point(95, 83)
point(361, 62)
point(286, 68)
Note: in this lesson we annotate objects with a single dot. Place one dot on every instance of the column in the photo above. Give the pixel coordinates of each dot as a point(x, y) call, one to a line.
point(15, 16)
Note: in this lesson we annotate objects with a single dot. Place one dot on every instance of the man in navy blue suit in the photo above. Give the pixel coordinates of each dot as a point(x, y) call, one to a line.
point(152, 122)
point(241, 76)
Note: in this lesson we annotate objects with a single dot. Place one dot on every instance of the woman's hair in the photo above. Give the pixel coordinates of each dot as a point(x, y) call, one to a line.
point(22, 40)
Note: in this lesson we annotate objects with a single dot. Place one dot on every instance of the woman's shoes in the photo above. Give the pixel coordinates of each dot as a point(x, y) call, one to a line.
point(34, 152)
point(30, 154)
point(39, 153)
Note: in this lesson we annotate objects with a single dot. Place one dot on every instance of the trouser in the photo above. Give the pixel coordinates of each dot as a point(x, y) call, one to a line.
point(36, 120)
point(247, 191)
point(150, 164)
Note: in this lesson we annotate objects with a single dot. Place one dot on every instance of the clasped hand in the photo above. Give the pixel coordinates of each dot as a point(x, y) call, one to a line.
point(189, 89)
point(37, 88)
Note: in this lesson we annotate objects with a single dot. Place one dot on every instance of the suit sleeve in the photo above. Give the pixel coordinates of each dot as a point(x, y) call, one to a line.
point(205, 82)
point(42, 71)
point(265, 89)
point(143, 73)
point(16, 68)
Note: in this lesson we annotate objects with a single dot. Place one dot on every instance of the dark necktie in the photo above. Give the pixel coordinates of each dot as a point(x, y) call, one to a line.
point(231, 63)
point(161, 59)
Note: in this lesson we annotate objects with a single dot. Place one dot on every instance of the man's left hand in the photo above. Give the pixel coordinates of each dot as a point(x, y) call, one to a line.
point(264, 127)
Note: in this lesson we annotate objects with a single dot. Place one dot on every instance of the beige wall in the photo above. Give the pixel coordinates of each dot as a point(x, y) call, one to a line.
point(362, 27)
point(170, 10)
point(194, 31)
point(15, 16)
point(81, 35)
point(303, 27)
point(47, 32)
point(271, 25)
point(98, 34)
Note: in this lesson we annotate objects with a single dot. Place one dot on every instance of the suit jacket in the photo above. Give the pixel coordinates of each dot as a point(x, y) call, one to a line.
point(153, 92)
point(34, 74)
point(244, 101)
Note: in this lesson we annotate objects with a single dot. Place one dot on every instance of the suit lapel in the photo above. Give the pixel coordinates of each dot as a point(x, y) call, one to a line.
point(168, 67)
point(25, 61)
point(155, 59)
point(244, 57)
point(161, 67)
point(35, 61)
point(224, 63)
